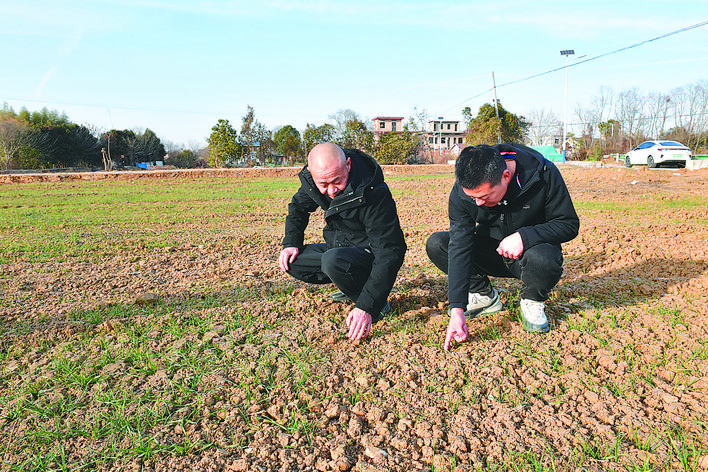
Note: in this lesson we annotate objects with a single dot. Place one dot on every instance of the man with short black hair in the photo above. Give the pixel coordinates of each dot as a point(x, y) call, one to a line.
point(364, 246)
point(509, 212)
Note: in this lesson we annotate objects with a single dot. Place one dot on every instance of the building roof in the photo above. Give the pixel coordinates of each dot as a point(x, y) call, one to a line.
point(387, 118)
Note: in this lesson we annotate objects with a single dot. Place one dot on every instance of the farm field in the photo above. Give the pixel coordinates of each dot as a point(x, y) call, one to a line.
point(145, 326)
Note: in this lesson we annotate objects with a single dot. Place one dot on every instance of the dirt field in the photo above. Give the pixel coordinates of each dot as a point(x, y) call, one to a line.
point(620, 382)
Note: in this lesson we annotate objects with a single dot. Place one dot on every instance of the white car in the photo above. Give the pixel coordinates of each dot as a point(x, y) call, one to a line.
point(653, 153)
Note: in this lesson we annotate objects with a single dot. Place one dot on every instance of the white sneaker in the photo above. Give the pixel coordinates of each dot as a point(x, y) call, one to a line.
point(483, 304)
point(534, 316)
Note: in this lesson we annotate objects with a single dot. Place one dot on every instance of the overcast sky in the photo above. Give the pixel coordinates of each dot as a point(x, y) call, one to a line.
point(176, 67)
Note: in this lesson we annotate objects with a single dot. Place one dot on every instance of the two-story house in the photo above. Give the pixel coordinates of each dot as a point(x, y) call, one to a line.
point(387, 124)
point(445, 135)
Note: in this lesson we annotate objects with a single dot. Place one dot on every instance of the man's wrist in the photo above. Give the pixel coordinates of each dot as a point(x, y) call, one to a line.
point(456, 311)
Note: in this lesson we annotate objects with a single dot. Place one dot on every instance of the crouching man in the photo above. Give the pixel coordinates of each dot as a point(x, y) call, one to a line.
point(364, 245)
point(509, 212)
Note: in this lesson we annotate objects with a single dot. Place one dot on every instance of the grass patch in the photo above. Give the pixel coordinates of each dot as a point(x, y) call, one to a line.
point(43, 222)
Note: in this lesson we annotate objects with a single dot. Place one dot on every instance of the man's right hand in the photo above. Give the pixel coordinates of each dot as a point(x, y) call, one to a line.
point(287, 256)
point(457, 328)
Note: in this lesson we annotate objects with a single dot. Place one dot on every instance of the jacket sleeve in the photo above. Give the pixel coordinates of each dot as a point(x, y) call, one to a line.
point(298, 217)
point(461, 248)
point(561, 221)
point(387, 245)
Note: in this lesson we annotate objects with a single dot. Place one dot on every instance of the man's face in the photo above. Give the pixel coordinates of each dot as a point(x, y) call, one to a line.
point(333, 180)
point(487, 194)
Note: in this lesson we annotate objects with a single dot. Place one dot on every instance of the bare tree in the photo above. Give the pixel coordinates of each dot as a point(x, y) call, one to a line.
point(107, 162)
point(264, 138)
point(247, 136)
point(420, 118)
point(599, 111)
point(341, 118)
point(255, 137)
point(419, 124)
point(701, 120)
point(544, 127)
point(195, 145)
point(601, 106)
point(691, 111)
point(172, 147)
point(656, 116)
point(628, 110)
point(11, 140)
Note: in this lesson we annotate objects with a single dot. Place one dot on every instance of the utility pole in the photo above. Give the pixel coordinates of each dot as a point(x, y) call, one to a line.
point(567, 53)
point(496, 107)
point(441, 137)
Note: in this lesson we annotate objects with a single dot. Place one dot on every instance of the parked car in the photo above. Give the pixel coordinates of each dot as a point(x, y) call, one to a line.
point(654, 153)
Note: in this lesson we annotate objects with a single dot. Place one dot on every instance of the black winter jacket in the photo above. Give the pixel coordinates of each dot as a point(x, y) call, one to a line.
point(363, 215)
point(537, 205)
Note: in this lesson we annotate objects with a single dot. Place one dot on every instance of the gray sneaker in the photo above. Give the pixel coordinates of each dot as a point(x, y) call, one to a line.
point(483, 304)
point(384, 311)
point(339, 297)
point(534, 316)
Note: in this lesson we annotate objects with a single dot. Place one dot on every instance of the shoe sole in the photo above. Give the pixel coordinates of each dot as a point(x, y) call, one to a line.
point(534, 328)
point(339, 298)
point(493, 308)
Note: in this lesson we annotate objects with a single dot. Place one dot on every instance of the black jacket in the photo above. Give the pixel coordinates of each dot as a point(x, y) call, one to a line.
point(363, 215)
point(537, 205)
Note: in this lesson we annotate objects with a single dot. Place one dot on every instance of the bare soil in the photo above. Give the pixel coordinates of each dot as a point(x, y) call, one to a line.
point(625, 362)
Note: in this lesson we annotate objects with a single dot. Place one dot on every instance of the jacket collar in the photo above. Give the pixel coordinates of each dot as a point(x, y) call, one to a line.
point(365, 173)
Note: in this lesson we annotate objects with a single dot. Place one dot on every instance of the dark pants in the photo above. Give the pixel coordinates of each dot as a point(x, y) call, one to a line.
point(539, 268)
point(346, 267)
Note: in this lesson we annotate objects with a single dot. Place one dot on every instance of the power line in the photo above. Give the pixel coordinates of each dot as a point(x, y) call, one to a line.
point(577, 63)
point(638, 119)
point(212, 112)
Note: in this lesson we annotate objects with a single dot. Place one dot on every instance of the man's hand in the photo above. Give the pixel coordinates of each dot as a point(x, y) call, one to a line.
point(457, 328)
point(359, 323)
point(512, 246)
point(287, 256)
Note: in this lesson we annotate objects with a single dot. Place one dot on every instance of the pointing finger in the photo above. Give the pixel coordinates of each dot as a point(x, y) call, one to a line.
point(448, 337)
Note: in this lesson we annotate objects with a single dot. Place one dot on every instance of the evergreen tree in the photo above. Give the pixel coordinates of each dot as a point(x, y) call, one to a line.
point(224, 146)
point(487, 128)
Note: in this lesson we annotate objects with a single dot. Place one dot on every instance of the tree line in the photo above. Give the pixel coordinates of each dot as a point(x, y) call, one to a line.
point(254, 144)
point(617, 122)
point(612, 123)
point(48, 139)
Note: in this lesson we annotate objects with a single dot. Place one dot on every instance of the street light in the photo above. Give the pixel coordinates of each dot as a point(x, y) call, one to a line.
point(567, 53)
point(440, 118)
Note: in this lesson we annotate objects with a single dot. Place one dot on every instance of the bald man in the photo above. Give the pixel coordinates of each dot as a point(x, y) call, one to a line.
point(364, 245)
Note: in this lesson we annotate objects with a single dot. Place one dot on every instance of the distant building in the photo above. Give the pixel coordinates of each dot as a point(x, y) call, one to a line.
point(445, 137)
point(551, 139)
point(387, 124)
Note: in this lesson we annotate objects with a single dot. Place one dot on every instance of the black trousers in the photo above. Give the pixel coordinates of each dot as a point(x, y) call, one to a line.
point(539, 268)
point(347, 267)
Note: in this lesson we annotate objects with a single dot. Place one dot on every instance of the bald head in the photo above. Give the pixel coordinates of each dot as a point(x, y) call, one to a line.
point(329, 168)
point(326, 155)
